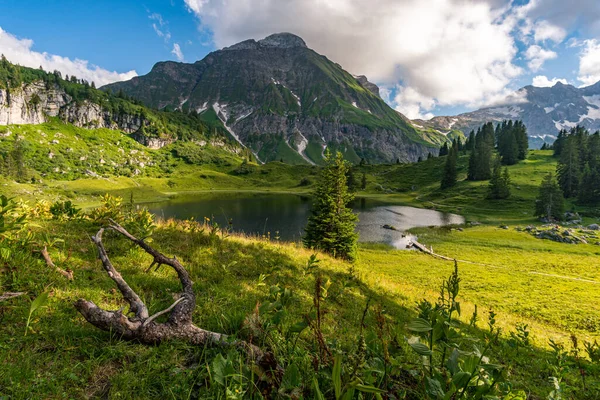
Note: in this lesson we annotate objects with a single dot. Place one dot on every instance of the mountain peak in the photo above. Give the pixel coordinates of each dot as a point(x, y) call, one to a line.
point(278, 40)
point(282, 40)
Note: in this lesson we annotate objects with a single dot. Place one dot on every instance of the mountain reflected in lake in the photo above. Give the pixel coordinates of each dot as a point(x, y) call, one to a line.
point(285, 215)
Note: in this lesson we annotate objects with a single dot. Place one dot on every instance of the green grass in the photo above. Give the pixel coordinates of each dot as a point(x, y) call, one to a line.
point(551, 287)
point(418, 184)
point(519, 276)
point(65, 357)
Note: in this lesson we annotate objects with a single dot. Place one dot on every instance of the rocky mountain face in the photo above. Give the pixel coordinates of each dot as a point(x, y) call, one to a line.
point(34, 103)
point(283, 100)
point(544, 111)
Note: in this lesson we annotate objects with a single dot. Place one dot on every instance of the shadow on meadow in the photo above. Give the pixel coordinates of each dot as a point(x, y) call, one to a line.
point(252, 289)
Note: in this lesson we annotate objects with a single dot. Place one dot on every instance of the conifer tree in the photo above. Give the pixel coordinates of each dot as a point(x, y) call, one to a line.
point(363, 184)
point(331, 227)
point(589, 186)
point(350, 180)
point(550, 202)
point(558, 143)
point(508, 147)
point(450, 174)
point(444, 150)
point(520, 133)
point(506, 184)
point(568, 167)
point(471, 173)
point(483, 153)
point(471, 141)
point(593, 152)
point(499, 186)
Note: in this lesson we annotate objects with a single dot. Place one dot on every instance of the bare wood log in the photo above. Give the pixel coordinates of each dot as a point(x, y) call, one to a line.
point(136, 304)
point(10, 295)
point(179, 325)
point(66, 273)
point(424, 249)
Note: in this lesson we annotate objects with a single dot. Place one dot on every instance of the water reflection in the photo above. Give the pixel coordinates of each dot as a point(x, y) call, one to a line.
point(266, 214)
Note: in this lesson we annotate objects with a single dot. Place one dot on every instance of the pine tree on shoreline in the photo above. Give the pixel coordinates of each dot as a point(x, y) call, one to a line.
point(331, 227)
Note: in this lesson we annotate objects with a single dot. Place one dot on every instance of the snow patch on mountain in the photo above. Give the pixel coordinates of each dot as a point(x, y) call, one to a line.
point(298, 101)
point(560, 125)
point(594, 110)
point(204, 107)
point(302, 147)
point(508, 111)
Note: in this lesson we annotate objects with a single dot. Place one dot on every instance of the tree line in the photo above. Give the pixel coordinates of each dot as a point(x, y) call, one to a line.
point(508, 138)
point(578, 169)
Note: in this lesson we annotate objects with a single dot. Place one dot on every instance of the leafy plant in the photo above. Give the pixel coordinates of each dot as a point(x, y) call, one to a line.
point(520, 338)
point(64, 210)
point(38, 303)
point(10, 220)
point(141, 223)
point(111, 208)
point(466, 372)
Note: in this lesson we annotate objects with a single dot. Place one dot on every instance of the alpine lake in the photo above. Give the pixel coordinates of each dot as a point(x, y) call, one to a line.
point(284, 216)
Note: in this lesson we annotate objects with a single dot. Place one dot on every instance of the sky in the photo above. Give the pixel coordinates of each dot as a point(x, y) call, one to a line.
point(429, 57)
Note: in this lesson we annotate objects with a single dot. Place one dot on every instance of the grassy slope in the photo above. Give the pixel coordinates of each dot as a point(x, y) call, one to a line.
point(418, 184)
point(550, 286)
point(66, 357)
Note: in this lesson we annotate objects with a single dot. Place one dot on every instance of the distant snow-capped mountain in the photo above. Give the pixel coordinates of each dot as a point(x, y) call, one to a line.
point(544, 110)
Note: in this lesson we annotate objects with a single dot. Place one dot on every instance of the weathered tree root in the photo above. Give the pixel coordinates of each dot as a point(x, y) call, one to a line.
point(144, 328)
point(66, 273)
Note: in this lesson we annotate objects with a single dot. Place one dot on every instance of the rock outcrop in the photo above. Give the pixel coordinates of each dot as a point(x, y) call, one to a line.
point(34, 103)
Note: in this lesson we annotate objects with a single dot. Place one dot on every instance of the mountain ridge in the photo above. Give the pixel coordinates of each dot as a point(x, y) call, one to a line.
point(281, 99)
point(544, 110)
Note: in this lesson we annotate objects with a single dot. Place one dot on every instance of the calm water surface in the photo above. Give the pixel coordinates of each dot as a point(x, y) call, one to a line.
point(285, 215)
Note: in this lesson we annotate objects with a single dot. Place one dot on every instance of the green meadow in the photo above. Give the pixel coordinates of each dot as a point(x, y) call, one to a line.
point(538, 290)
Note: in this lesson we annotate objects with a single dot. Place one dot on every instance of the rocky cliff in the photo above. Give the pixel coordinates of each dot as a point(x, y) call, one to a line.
point(35, 103)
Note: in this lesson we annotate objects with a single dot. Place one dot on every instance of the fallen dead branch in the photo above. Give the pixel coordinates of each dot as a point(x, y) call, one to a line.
point(144, 328)
point(66, 273)
point(10, 295)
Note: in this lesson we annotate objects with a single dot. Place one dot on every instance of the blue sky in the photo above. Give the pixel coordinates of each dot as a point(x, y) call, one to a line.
point(435, 57)
point(114, 34)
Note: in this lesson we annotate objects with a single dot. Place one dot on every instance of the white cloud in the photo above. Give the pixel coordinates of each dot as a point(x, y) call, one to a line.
point(583, 15)
point(177, 52)
point(19, 51)
point(589, 62)
point(544, 30)
point(543, 81)
point(160, 26)
point(411, 103)
point(451, 52)
point(537, 56)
